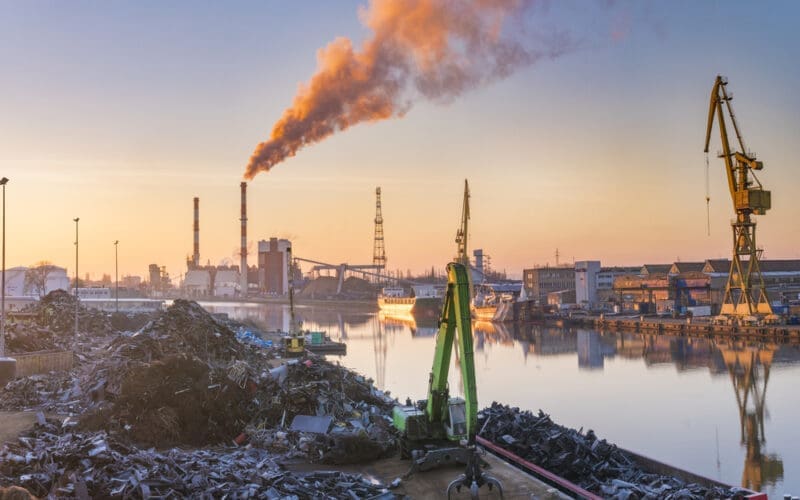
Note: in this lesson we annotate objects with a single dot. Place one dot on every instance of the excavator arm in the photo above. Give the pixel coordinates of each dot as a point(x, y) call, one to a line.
point(455, 325)
point(429, 428)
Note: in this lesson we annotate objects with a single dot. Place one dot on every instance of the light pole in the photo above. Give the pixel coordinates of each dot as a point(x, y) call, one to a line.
point(116, 275)
point(3, 183)
point(77, 280)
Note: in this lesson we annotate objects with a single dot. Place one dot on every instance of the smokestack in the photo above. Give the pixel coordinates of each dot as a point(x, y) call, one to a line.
point(196, 253)
point(243, 268)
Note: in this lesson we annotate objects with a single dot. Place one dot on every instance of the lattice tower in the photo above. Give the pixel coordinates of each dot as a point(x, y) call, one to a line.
point(379, 250)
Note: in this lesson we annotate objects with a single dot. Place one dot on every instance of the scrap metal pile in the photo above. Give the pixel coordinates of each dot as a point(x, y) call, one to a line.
point(185, 380)
point(54, 460)
point(50, 324)
point(591, 463)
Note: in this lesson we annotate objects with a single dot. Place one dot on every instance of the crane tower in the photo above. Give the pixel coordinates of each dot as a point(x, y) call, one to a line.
point(744, 293)
point(378, 251)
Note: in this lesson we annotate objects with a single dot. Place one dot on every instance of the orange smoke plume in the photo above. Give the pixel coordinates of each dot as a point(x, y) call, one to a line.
point(434, 49)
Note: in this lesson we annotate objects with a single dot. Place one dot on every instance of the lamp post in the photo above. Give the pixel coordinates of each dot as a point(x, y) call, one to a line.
point(77, 280)
point(116, 275)
point(8, 366)
point(3, 183)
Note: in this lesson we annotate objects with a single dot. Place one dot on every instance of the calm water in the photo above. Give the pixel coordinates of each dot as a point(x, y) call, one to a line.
point(725, 410)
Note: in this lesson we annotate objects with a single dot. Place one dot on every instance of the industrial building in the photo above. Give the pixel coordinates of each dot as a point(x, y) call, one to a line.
point(687, 284)
point(36, 281)
point(540, 281)
point(273, 266)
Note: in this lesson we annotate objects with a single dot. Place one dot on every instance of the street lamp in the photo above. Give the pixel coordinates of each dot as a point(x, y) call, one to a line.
point(116, 274)
point(3, 183)
point(77, 280)
point(8, 366)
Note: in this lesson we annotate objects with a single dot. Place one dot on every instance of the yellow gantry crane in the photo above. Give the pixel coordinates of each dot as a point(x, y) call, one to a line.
point(744, 293)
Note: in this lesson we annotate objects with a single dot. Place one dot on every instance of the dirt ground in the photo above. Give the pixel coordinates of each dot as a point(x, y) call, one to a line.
point(433, 484)
point(12, 423)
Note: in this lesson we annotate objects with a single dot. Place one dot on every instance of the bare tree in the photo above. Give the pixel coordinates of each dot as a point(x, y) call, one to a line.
point(36, 277)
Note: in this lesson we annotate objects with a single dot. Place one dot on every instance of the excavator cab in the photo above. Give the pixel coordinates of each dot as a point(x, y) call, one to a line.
point(457, 428)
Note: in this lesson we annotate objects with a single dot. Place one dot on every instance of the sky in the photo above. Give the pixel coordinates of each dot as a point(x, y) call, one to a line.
point(119, 113)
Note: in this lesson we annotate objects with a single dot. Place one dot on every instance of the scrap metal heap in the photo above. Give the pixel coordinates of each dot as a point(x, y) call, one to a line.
point(186, 380)
point(591, 463)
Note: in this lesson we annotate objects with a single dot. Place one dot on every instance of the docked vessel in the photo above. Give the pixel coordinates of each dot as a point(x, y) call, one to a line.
point(488, 305)
point(395, 300)
point(424, 301)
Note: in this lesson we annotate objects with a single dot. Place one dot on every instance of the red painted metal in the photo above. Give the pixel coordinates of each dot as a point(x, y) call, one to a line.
point(558, 480)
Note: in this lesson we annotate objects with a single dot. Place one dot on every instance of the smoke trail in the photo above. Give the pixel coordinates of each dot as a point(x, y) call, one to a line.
point(433, 49)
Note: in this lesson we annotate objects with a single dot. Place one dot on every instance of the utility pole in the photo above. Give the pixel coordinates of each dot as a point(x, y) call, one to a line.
point(77, 280)
point(116, 275)
point(3, 182)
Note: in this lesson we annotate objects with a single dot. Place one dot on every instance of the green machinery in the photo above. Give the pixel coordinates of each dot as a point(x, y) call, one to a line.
point(745, 294)
point(441, 429)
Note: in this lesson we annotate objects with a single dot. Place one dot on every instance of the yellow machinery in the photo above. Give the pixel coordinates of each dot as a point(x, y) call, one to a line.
point(744, 293)
point(294, 343)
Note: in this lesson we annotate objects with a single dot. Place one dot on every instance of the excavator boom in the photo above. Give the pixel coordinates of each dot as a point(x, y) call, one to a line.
point(455, 325)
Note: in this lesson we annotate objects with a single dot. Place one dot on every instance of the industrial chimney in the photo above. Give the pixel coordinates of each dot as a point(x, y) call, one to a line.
point(243, 267)
point(196, 253)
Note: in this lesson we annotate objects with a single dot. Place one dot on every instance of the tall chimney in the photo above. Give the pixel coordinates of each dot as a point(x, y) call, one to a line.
point(196, 253)
point(243, 267)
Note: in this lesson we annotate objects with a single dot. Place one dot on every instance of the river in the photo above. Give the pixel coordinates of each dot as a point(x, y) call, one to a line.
point(726, 410)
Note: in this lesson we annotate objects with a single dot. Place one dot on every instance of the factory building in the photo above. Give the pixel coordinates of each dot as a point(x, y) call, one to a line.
point(586, 272)
point(273, 266)
point(540, 281)
point(226, 283)
point(594, 285)
point(781, 279)
point(197, 283)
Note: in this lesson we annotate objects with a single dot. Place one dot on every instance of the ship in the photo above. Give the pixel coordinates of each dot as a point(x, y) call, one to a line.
point(494, 302)
point(424, 301)
point(394, 299)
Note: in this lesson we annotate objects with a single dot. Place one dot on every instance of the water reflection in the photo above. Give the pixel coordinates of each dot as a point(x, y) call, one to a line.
point(566, 366)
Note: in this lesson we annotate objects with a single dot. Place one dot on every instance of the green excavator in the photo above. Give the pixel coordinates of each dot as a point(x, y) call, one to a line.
point(441, 429)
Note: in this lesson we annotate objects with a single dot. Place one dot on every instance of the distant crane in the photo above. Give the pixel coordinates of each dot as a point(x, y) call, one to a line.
point(379, 250)
point(462, 257)
point(749, 198)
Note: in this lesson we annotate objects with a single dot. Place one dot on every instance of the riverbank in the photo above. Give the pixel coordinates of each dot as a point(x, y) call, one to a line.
point(689, 326)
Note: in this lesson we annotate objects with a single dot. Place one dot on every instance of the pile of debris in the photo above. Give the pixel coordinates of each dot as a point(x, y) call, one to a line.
point(333, 415)
point(50, 324)
point(592, 464)
point(52, 392)
point(185, 380)
point(57, 461)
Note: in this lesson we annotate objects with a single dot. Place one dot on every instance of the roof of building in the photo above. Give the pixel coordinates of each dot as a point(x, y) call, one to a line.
point(717, 266)
point(686, 267)
point(620, 270)
point(767, 266)
point(648, 269)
